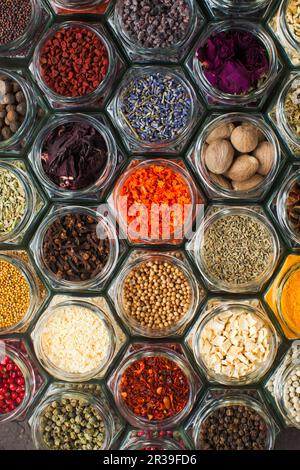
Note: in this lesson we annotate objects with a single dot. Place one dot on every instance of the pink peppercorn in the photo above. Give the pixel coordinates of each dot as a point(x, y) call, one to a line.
point(74, 61)
point(12, 386)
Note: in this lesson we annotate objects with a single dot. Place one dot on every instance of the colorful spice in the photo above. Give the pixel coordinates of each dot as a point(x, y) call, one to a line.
point(291, 395)
point(156, 107)
point(13, 107)
point(155, 23)
point(293, 207)
point(290, 301)
point(14, 295)
point(235, 344)
point(12, 385)
point(74, 156)
point(72, 424)
point(15, 17)
point(237, 249)
point(154, 388)
point(233, 428)
point(234, 62)
point(74, 61)
point(156, 294)
point(293, 18)
point(75, 340)
point(150, 188)
point(12, 201)
point(292, 107)
point(238, 156)
point(72, 249)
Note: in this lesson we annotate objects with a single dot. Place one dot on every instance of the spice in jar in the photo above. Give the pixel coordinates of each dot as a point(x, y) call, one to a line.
point(292, 107)
point(235, 344)
point(72, 424)
point(13, 201)
point(154, 388)
point(237, 249)
point(75, 339)
point(235, 427)
point(15, 295)
point(13, 107)
point(161, 194)
point(74, 61)
point(290, 300)
point(238, 156)
point(293, 207)
point(72, 250)
point(74, 156)
point(293, 18)
point(234, 62)
point(12, 385)
point(156, 107)
point(155, 24)
point(291, 394)
point(15, 18)
point(156, 294)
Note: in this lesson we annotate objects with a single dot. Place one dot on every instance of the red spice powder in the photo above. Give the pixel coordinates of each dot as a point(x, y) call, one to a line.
point(155, 388)
point(156, 184)
point(74, 61)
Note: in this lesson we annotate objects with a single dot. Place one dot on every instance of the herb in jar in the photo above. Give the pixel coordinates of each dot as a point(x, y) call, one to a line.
point(12, 201)
point(293, 18)
point(156, 294)
point(154, 388)
point(72, 424)
point(292, 107)
point(237, 249)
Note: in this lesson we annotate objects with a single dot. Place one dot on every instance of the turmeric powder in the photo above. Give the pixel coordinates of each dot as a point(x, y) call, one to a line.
point(290, 301)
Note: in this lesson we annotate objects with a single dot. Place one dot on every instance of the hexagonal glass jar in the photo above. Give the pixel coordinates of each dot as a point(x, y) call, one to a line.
point(246, 8)
point(136, 143)
point(217, 188)
point(105, 228)
point(22, 46)
point(154, 440)
point(16, 142)
point(93, 394)
point(138, 53)
point(37, 291)
point(96, 305)
point(72, 7)
point(138, 259)
point(19, 353)
point(284, 105)
point(278, 383)
point(139, 352)
point(273, 296)
point(279, 25)
point(216, 214)
point(33, 199)
point(164, 229)
point(99, 188)
point(215, 399)
point(94, 99)
point(217, 98)
point(215, 308)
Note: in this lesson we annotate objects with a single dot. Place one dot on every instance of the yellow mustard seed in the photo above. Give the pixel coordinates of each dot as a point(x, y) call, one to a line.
point(14, 295)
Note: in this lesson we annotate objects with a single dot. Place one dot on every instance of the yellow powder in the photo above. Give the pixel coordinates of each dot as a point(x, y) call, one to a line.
point(290, 301)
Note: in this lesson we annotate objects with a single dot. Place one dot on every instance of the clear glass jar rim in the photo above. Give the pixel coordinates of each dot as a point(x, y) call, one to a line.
point(294, 268)
point(54, 370)
point(253, 376)
point(284, 26)
point(281, 208)
point(67, 119)
point(77, 5)
point(280, 388)
point(280, 111)
point(163, 443)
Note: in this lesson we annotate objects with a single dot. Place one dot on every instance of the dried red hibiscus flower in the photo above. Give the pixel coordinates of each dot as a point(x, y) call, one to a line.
point(234, 61)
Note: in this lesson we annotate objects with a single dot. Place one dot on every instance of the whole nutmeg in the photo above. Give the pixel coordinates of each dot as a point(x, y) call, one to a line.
point(261, 136)
point(251, 183)
point(244, 139)
point(220, 181)
point(219, 156)
point(265, 155)
point(223, 131)
point(243, 168)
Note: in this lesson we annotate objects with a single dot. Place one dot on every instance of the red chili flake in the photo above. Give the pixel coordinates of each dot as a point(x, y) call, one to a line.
point(66, 60)
point(155, 388)
point(12, 386)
